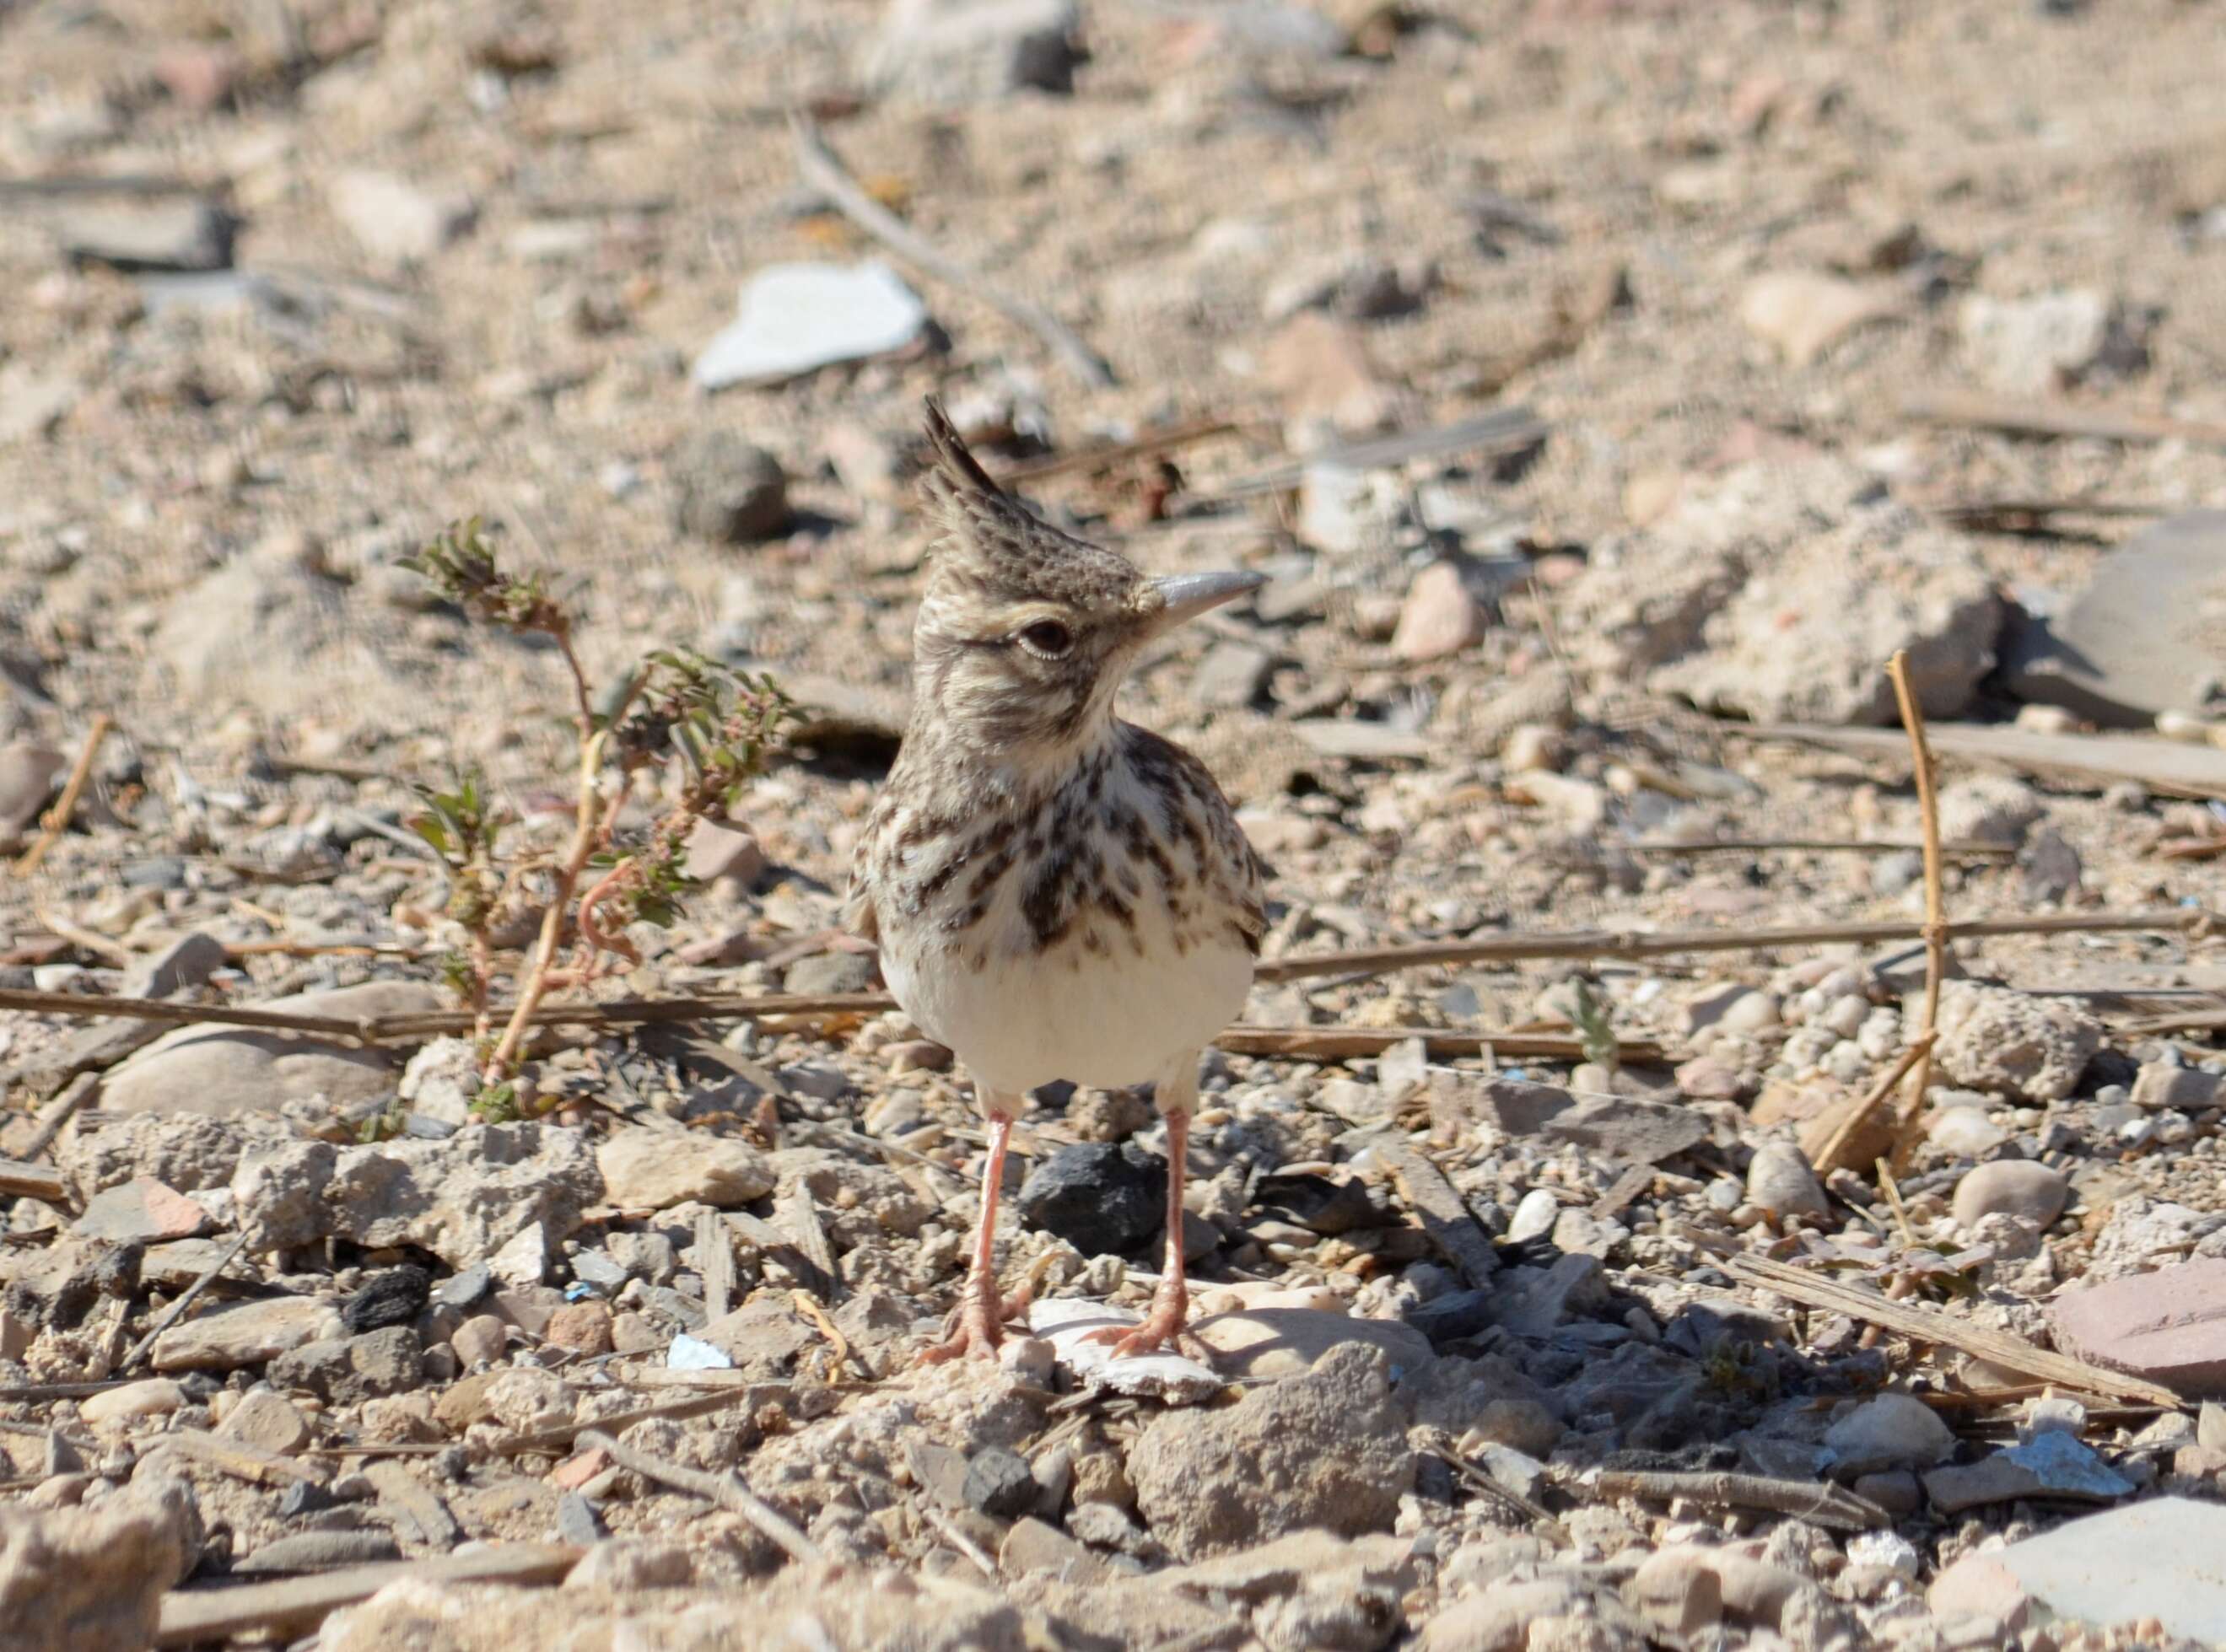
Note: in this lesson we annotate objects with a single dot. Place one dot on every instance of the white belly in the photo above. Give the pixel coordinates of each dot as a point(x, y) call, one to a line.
point(1103, 1019)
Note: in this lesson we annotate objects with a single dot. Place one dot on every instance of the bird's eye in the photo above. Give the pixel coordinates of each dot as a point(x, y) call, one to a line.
point(1047, 638)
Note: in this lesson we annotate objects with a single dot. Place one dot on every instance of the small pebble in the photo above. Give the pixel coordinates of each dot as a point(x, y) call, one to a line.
point(2013, 1187)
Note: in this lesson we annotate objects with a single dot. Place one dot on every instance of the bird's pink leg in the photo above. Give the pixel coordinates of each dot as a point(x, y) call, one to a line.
point(1171, 1301)
point(981, 1311)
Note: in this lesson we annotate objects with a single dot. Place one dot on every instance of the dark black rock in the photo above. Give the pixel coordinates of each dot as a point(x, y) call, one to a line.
point(1453, 1316)
point(393, 1298)
point(1101, 1198)
point(998, 1484)
point(577, 1521)
point(1046, 60)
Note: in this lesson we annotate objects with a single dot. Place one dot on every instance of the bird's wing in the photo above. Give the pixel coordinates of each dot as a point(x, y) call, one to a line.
point(859, 916)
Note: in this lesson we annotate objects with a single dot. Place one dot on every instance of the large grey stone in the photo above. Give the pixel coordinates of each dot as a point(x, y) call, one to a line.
point(224, 1071)
point(188, 1151)
point(2138, 640)
point(1327, 1449)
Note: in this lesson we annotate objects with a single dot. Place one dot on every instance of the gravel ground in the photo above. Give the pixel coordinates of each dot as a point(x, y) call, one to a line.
point(1511, 1350)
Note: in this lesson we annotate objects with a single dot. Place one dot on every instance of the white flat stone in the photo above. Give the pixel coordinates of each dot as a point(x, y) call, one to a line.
point(1065, 1322)
point(692, 1354)
point(797, 318)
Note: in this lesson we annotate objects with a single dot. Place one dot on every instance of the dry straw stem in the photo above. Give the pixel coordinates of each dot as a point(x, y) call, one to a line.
point(195, 1617)
point(1962, 850)
point(725, 1490)
point(2019, 417)
point(58, 818)
point(188, 1297)
point(1936, 915)
point(1931, 1325)
point(1915, 1066)
point(587, 835)
point(81, 1089)
point(1359, 962)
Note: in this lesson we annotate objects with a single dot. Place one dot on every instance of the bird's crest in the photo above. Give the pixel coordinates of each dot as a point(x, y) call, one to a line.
point(993, 544)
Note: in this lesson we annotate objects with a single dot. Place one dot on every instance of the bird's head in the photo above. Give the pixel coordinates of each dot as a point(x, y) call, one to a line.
point(1025, 632)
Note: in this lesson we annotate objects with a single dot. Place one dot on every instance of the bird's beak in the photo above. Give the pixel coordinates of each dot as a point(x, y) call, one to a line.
point(1188, 595)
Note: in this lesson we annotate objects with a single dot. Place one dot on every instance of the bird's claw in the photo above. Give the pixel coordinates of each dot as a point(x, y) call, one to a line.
point(1163, 1326)
point(981, 1321)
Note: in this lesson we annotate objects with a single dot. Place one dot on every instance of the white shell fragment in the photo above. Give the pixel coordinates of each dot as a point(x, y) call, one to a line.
point(1066, 1322)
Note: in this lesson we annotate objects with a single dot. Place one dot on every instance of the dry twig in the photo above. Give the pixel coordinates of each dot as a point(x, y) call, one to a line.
point(748, 1390)
point(1827, 1505)
point(1838, 1151)
point(823, 171)
point(1936, 914)
point(1629, 946)
point(84, 939)
point(958, 1539)
point(1344, 1043)
point(1163, 439)
point(839, 1345)
point(189, 1295)
point(1841, 1150)
point(1960, 849)
point(58, 818)
point(1355, 962)
point(2018, 416)
point(725, 1490)
point(81, 1089)
point(193, 1616)
point(242, 1460)
point(1443, 1213)
point(26, 1181)
point(1928, 1325)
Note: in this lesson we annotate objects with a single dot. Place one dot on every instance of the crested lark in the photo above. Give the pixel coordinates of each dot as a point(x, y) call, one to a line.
point(1056, 894)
